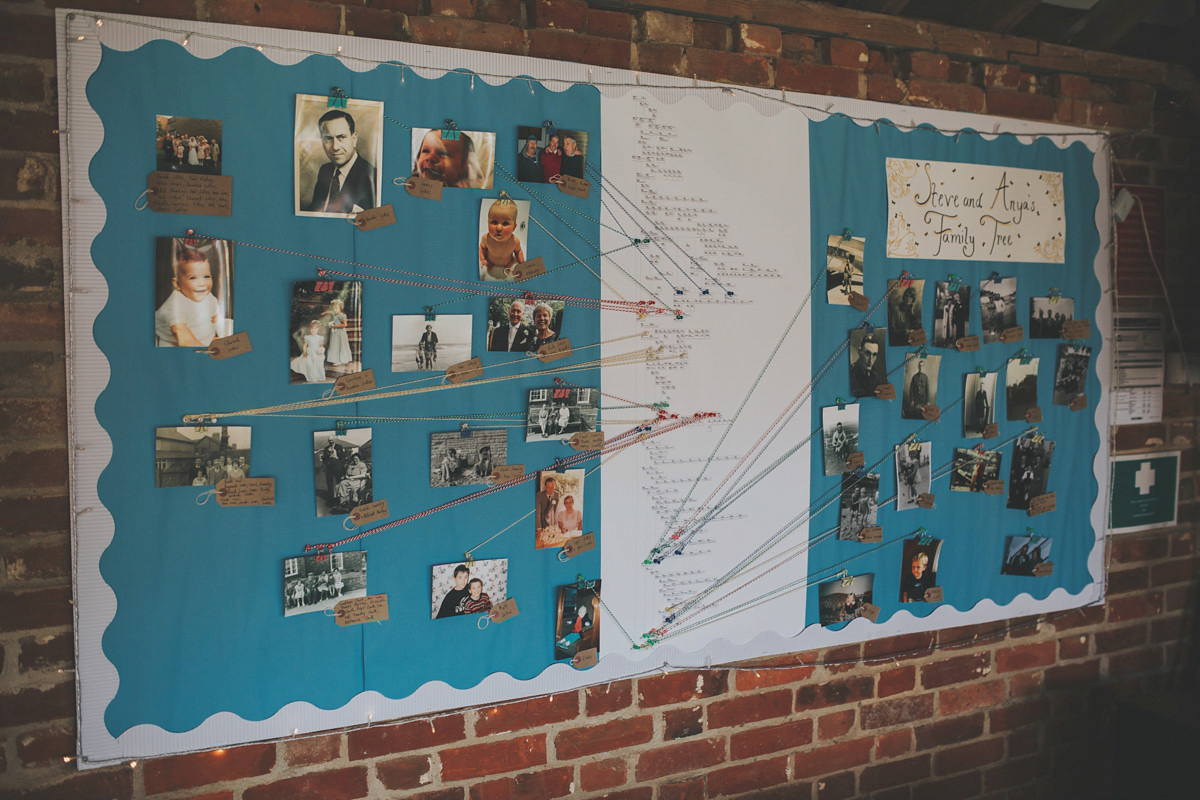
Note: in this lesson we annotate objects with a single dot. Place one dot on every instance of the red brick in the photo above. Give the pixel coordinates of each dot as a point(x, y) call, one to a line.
point(376, 23)
point(36, 516)
point(711, 35)
point(1014, 772)
point(1079, 618)
point(290, 14)
point(747, 777)
point(1146, 659)
point(922, 64)
point(898, 711)
point(1025, 656)
point(1136, 94)
point(416, 735)
point(839, 723)
point(847, 53)
point(1075, 86)
point(452, 8)
point(469, 34)
point(680, 687)
point(38, 705)
point(25, 416)
point(200, 769)
point(972, 696)
point(759, 39)
point(771, 739)
point(114, 782)
point(936, 94)
point(660, 59)
point(685, 757)
point(1132, 549)
point(33, 468)
point(40, 608)
point(1026, 684)
point(565, 46)
point(608, 697)
point(749, 678)
point(798, 46)
point(890, 745)
point(895, 681)
point(53, 651)
point(958, 787)
point(603, 738)
point(656, 26)
point(834, 757)
point(1169, 629)
point(886, 89)
point(594, 775)
point(315, 750)
point(1024, 741)
point(962, 71)
point(507, 12)
point(955, 670)
point(1116, 115)
point(610, 24)
point(491, 758)
point(1183, 543)
point(968, 756)
point(749, 708)
point(966, 635)
point(529, 786)
point(836, 787)
point(562, 14)
point(24, 83)
point(834, 693)
point(949, 731)
point(411, 7)
point(406, 772)
point(1134, 606)
point(39, 562)
point(46, 746)
point(894, 773)
point(1124, 638)
point(528, 714)
point(817, 78)
point(340, 784)
point(909, 645)
point(1128, 580)
point(1015, 715)
point(1179, 571)
point(679, 723)
point(439, 794)
point(27, 35)
point(743, 69)
point(1001, 76)
point(28, 130)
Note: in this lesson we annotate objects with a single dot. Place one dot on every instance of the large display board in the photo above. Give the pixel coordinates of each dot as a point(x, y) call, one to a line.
point(740, 275)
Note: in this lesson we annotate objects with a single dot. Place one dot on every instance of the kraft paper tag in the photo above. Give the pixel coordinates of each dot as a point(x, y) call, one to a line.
point(230, 346)
point(870, 611)
point(554, 351)
point(369, 512)
point(1033, 415)
point(1077, 329)
point(871, 533)
point(585, 658)
point(930, 412)
point(858, 302)
point(579, 544)
point(465, 370)
point(933, 594)
point(504, 610)
point(355, 382)
point(925, 500)
point(991, 430)
point(374, 218)
point(246, 492)
point(1041, 504)
point(967, 344)
point(1078, 402)
point(885, 391)
point(1043, 569)
point(856, 459)
point(917, 337)
point(424, 188)
point(529, 269)
point(576, 187)
point(1013, 334)
point(188, 193)
point(993, 487)
point(587, 440)
point(357, 610)
point(507, 472)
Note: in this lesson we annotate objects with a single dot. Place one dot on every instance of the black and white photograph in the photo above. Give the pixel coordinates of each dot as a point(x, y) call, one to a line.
point(456, 159)
point(859, 504)
point(920, 384)
point(997, 307)
point(577, 620)
point(503, 237)
point(1030, 471)
point(1047, 315)
point(320, 582)
point(1023, 553)
point(326, 331)
point(868, 361)
point(843, 268)
point(918, 570)
point(193, 291)
point(458, 459)
point(1020, 387)
point(342, 473)
point(971, 469)
point(422, 345)
point(951, 313)
point(557, 414)
point(337, 157)
point(1070, 376)
point(558, 507)
point(839, 436)
point(914, 473)
point(903, 310)
point(545, 154)
point(842, 601)
point(200, 455)
point(460, 589)
point(979, 403)
point(187, 144)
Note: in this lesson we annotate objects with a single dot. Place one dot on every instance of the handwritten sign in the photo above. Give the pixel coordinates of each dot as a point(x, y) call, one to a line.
point(1013, 334)
point(991, 430)
point(504, 610)
point(585, 658)
point(576, 187)
point(933, 594)
point(967, 344)
point(507, 472)
point(1077, 329)
point(1044, 569)
point(554, 350)
point(1041, 504)
point(856, 459)
point(885, 391)
point(529, 269)
point(358, 610)
point(930, 413)
point(355, 382)
point(1033, 415)
point(871, 534)
point(993, 487)
point(467, 370)
point(974, 212)
point(1078, 402)
point(925, 500)
point(374, 218)
point(870, 611)
point(424, 188)
point(246, 492)
point(917, 337)
point(188, 193)
point(230, 346)
point(579, 544)
point(858, 302)
point(369, 512)
point(587, 440)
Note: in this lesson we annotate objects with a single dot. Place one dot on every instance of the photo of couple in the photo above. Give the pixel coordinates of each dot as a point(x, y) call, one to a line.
point(460, 589)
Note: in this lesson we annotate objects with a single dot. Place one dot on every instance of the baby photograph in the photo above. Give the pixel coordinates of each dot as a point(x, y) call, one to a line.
point(456, 159)
point(193, 291)
point(503, 227)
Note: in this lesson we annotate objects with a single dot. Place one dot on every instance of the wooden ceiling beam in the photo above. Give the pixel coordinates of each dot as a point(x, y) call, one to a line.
point(878, 6)
point(1107, 22)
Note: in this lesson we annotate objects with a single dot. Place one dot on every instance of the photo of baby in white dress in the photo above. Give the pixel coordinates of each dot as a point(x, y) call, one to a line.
point(193, 291)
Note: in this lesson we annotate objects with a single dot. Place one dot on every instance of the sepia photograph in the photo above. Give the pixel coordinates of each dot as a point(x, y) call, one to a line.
point(951, 313)
point(558, 507)
point(920, 384)
point(326, 331)
point(859, 504)
point(1070, 376)
point(918, 571)
point(342, 475)
point(577, 620)
point(337, 156)
point(839, 436)
point(1020, 387)
point(200, 455)
point(460, 589)
point(841, 601)
point(193, 291)
point(185, 144)
point(320, 582)
point(1030, 470)
point(971, 469)
point(545, 154)
point(458, 459)
point(843, 268)
point(558, 414)
point(456, 159)
point(914, 473)
point(503, 231)
point(868, 361)
point(903, 310)
point(420, 344)
point(997, 307)
point(1047, 315)
point(979, 403)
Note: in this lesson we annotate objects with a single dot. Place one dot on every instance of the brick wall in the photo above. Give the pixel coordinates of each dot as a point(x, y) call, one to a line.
point(1017, 709)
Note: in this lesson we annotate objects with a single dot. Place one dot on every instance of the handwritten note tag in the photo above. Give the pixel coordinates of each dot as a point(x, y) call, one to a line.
point(424, 188)
point(504, 610)
point(465, 370)
point(576, 187)
point(369, 512)
point(579, 544)
point(357, 610)
point(870, 611)
point(1078, 402)
point(856, 459)
point(991, 430)
point(230, 346)
point(529, 269)
point(1033, 415)
point(930, 412)
point(871, 533)
point(1013, 334)
point(917, 337)
point(554, 351)
point(858, 302)
point(187, 193)
point(585, 658)
point(246, 492)
point(993, 487)
point(507, 472)
point(967, 344)
point(587, 440)
point(355, 382)
point(925, 500)
point(374, 218)
point(1077, 329)
point(885, 391)
point(933, 594)
point(1041, 504)
point(1044, 569)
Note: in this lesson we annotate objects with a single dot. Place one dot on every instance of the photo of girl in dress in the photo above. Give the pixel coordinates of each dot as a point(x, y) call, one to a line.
point(840, 602)
point(185, 144)
point(460, 589)
point(320, 582)
point(342, 472)
point(503, 227)
point(577, 621)
point(193, 292)
point(326, 331)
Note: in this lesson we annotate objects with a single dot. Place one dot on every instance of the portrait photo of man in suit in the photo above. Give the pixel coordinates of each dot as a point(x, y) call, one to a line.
point(336, 153)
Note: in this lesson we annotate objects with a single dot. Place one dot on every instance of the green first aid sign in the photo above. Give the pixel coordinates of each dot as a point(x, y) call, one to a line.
point(1143, 491)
